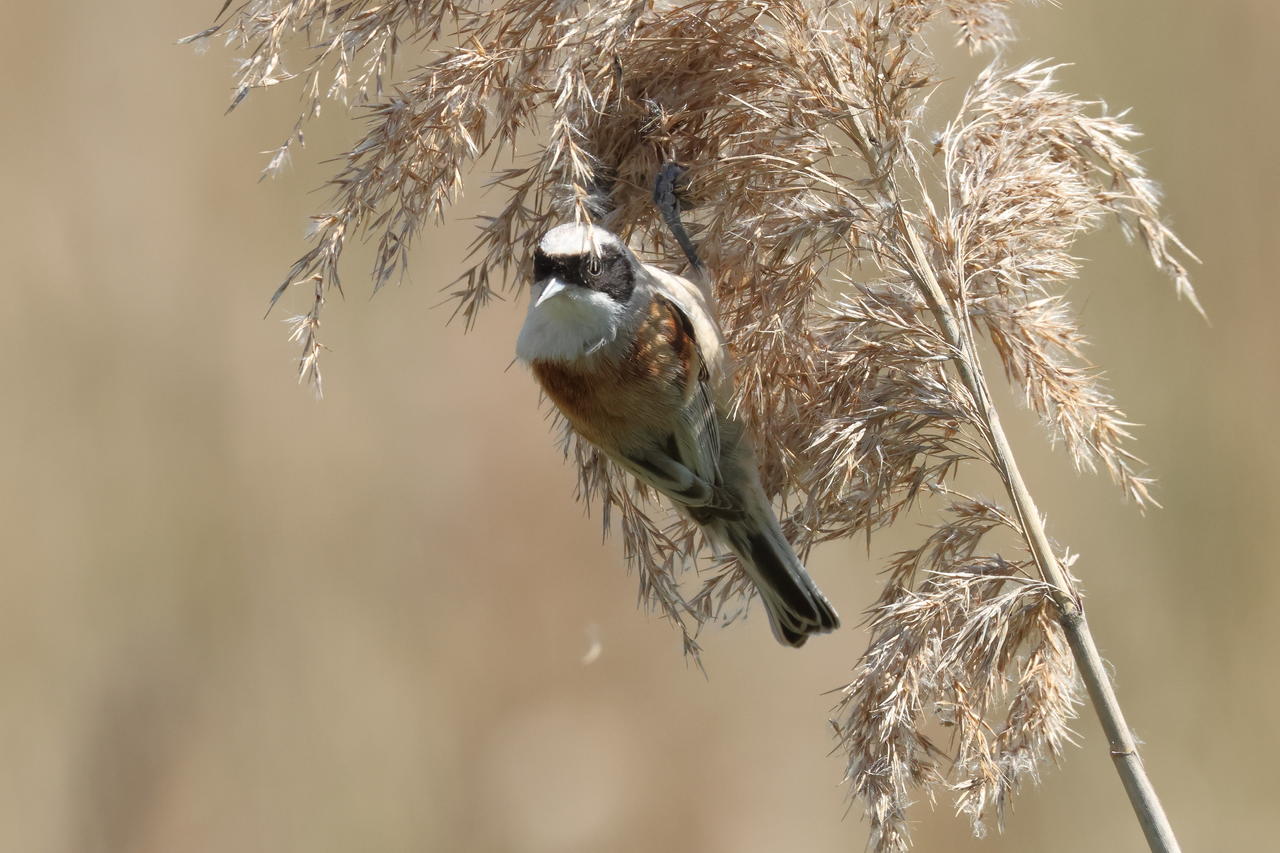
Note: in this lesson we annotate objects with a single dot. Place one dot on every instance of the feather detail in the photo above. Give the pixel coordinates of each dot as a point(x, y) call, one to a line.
point(655, 398)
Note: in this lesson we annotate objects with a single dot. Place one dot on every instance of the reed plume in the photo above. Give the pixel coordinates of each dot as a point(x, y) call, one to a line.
point(857, 258)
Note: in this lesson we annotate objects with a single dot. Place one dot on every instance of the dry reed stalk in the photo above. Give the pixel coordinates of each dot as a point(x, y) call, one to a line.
point(856, 264)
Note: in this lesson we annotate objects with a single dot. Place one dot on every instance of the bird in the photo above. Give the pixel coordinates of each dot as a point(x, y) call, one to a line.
point(634, 358)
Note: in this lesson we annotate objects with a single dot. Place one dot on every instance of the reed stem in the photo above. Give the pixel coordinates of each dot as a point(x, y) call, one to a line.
point(1124, 750)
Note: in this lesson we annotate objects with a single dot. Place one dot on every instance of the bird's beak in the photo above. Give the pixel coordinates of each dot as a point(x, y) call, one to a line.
point(552, 287)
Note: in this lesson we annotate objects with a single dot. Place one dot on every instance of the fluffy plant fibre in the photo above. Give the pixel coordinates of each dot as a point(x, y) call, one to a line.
point(820, 207)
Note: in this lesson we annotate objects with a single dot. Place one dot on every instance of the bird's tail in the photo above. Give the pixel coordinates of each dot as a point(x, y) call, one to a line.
point(796, 607)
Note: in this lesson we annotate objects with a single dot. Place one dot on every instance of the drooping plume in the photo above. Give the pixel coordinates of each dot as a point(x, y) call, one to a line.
point(855, 256)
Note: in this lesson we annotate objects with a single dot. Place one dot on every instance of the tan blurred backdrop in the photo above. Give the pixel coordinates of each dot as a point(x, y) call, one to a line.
point(233, 618)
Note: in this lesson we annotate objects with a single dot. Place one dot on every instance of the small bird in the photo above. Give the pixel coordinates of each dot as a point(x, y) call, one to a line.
point(633, 357)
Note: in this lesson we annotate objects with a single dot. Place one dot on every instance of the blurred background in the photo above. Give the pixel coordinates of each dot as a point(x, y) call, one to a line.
point(235, 618)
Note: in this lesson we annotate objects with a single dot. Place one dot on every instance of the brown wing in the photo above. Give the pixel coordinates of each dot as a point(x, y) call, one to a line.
point(685, 465)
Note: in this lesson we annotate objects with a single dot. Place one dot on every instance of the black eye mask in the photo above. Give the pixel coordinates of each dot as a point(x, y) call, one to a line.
point(609, 272)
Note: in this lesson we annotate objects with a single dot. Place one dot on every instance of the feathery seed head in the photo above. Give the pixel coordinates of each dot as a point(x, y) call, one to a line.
point(820, 205)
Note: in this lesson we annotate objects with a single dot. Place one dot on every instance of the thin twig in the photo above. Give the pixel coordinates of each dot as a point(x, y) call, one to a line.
point(1124, 749)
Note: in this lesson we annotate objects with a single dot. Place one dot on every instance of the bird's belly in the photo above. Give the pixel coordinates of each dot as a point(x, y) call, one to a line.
point(615, 408)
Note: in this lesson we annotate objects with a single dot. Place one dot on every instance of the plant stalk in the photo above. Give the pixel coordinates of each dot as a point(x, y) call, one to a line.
point(1124, 749)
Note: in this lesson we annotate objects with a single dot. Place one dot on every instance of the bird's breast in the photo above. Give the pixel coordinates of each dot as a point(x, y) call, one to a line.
point(616, 402)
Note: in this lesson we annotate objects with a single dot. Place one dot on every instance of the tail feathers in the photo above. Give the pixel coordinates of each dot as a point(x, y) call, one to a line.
point(796, 607)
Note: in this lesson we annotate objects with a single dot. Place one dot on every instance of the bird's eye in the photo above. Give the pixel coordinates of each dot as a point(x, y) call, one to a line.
point(593, 265)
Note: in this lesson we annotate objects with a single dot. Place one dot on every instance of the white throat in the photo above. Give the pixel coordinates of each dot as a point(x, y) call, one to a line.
point(573, 324)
